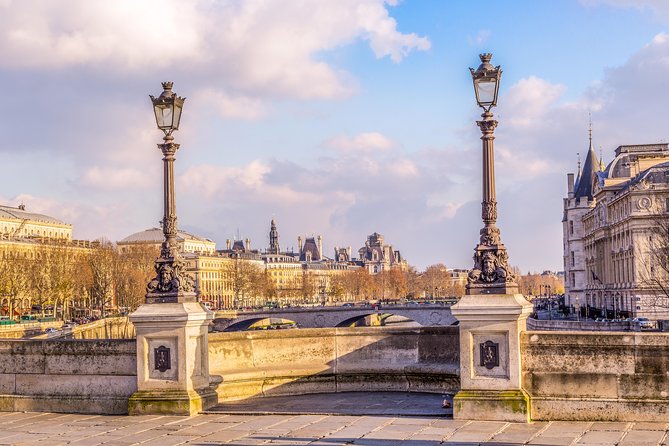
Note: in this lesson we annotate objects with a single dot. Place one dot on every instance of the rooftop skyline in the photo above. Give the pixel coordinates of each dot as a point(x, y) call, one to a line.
point(335, 118)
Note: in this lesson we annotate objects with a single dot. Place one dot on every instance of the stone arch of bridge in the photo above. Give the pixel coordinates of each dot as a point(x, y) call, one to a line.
point(329, 317)
point(382, 317)
point(245, 324)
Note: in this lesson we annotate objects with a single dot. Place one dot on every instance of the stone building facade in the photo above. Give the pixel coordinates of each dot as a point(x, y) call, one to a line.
point(29, 243)
point(18, 223)
point(579, 201)
point(609, 225)
point(377, 257)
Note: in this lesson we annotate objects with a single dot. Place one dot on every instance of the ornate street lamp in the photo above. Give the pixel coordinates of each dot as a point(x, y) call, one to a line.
point(172, 283)
point(491, 273)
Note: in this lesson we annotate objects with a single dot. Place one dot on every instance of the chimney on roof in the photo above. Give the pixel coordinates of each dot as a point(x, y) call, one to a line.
point(570, 185)
point(248, 244)
point(299, 244)
point(227, 244)
point(320, 246)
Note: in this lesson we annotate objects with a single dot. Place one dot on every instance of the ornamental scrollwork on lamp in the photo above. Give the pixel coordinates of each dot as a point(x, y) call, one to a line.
point(489, 211)
point(487, 125)
point(170, 225)
point(490, 236)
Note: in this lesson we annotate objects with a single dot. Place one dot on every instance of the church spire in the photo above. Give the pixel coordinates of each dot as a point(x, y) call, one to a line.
point(273, 239)
point(583, 184)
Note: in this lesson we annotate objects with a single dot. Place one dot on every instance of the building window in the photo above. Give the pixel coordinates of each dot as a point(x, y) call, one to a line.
point(573, 260)
point(571, 226)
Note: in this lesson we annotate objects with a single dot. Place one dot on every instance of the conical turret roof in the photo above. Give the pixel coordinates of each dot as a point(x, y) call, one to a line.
point(591, 165)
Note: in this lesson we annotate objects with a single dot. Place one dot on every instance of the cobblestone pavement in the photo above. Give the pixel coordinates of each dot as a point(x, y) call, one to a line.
point(304, 428)
point(322, 430)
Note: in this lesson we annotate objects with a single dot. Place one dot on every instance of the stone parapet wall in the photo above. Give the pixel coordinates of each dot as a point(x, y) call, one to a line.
point(17, 331)
point(588, 325)
point(67, 376)
point(286, 362)
point(596, 376)
point(108, 328)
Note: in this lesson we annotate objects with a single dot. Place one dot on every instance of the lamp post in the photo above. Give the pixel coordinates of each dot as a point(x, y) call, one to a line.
point(491, 273)
point(172, 283)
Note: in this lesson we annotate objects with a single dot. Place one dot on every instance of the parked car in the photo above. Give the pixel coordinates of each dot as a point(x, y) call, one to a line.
point(50, 330)
point(348, 305)
point(646, 323)
point(66, 326)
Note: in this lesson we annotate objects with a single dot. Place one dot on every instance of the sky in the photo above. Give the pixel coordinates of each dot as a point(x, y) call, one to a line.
point(339, 118)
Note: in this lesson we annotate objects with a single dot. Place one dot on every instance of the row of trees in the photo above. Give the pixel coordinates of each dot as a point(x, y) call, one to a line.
point(68, 281)
point(253, 287)
point(65, 280)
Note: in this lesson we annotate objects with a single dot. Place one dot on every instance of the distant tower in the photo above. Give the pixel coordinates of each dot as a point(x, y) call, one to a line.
point(578, 202)
point(273, 239)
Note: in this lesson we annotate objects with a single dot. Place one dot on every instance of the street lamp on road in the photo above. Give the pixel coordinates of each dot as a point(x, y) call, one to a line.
point(172, 283)
point(491, 273)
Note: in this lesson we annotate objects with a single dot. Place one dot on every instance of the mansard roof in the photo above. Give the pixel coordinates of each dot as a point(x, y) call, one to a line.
point(8, 212)
point(657, 174)
point(311, 247)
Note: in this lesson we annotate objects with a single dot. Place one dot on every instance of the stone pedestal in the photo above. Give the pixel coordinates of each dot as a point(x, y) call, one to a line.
point(172, 359)
point(490, 370)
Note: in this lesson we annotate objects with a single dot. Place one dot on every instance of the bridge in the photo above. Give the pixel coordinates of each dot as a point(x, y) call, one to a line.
point(318, 317)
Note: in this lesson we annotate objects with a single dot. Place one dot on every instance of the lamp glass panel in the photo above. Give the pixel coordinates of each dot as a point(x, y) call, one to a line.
point(485, 89)
point(177, 117)
point(164, 116)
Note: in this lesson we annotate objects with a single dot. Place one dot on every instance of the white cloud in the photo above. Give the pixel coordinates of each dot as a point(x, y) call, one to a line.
point(115, 179)
point(364, 142)
point(228, 106)
point(529, 100)
point(252, 47)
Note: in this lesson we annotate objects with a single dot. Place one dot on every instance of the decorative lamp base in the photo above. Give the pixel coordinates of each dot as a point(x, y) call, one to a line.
point(171, 402)
point(492, 405)
point(172, 359)
point(490, 357)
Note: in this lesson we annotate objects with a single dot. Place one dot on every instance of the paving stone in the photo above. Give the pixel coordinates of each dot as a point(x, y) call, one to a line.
point(546, 440)
point(224, 435)
point(559, 428)
point(642, 437)
point(601, 437)
point(602, 426)
point(646, 426)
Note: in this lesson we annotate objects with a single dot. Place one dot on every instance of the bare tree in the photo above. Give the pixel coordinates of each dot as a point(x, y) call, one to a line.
point(133, 269)
point(436, 281)
point(651, 251)
point(102, 260)
point(14, 279)
point(249, 282)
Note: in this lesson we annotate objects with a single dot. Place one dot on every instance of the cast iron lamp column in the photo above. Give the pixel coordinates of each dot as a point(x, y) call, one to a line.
point(491, 273)
point(172, 283)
